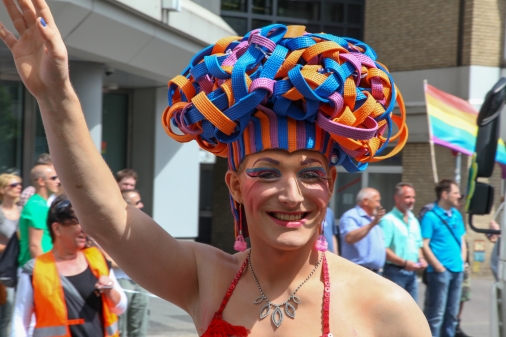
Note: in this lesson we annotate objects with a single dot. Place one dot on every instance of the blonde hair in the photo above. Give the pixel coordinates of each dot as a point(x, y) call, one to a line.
point(5, 179)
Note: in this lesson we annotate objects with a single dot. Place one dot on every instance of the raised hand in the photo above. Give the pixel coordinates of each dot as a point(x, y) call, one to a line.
point(39, 53)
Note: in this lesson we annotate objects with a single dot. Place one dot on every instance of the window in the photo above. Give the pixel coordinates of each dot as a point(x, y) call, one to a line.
point(240, 25)
point(205, 203)
point(338, 17)
point(309, 10)
point(234, 5)
point(382, 176)
point(11, 117)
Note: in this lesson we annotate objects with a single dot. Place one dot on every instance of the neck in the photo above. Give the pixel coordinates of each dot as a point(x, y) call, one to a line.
point(285, 267)
point(404, 212)
point(43, 192)
point(64, 254)
point(8, 203)
point(444, 205)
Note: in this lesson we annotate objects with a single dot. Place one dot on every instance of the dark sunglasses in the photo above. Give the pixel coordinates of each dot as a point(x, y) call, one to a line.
point(14, 185)
point(62, 206)
point(63, 212)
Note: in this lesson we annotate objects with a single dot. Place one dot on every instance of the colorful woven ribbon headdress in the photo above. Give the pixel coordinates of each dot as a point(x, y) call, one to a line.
point(280, 87)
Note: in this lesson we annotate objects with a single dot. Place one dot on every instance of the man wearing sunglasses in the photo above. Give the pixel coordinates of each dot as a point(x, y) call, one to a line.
point(35, 238)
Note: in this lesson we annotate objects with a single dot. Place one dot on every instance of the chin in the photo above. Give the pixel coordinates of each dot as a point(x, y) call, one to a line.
point(292, 241)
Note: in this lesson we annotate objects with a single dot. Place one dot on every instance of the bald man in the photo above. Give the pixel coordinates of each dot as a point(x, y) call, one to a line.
point(34, 233)
point(361, 237)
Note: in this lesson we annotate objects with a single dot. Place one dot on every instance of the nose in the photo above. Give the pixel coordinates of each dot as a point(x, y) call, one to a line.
point(291, 194)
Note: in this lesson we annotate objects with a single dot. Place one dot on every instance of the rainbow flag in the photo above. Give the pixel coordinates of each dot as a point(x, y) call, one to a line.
point(452, 123)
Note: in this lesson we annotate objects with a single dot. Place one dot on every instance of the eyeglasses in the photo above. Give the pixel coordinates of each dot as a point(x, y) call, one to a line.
point(62, 206)
point(63, 213)
point(14, 185)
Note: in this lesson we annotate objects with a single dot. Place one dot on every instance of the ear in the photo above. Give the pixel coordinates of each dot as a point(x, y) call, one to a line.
point(41, 181)
point(233, 182)
point(55, 226)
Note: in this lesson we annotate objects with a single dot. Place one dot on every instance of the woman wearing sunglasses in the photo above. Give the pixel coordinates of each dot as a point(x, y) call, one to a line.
point(71, 289)
point(10, 191)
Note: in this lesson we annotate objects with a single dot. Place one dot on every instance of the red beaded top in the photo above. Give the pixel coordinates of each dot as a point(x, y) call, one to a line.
point(221, 328)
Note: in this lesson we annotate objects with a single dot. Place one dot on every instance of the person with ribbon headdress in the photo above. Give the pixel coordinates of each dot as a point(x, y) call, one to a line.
point(284, 106)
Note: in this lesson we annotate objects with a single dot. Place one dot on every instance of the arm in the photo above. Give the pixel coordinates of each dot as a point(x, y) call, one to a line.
point(431, 258)
point(34, 241)
point(2, 248)
point(23, 307)
point(394, 258)
point(464, 249)
point(115, 297)
point(42, 62)
point(360, 233)
point(421, 259)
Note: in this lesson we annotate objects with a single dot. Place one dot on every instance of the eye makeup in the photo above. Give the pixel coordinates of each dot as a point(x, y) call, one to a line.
point(320, 171)
point(260, 172)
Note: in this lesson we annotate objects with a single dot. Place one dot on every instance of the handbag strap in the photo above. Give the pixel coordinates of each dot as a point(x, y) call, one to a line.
point(447, 226)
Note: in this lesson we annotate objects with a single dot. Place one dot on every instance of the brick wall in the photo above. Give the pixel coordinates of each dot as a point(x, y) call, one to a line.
point(415, 34)
point(423, 34)
point(487, 37)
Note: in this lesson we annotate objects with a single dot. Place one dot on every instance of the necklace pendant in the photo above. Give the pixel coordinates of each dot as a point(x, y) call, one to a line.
point(289, 310)
point(277, 317)
point(265, 310)
point(260, 299)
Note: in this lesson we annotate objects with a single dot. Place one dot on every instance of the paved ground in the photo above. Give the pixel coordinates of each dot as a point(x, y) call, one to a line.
point(167, 320)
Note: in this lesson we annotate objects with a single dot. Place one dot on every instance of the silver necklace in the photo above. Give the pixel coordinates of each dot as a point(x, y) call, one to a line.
point(277, 315)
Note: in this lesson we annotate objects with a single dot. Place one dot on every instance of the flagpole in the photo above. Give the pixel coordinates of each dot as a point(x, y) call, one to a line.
point(431, 142)
point(458, 164)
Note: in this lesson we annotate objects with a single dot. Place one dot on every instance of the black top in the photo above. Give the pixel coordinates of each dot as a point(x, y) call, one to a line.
point(91, 311)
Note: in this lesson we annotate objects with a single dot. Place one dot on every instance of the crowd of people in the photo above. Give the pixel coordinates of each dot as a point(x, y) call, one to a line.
point(397, 245)
point(96, 294)
point(401, 247)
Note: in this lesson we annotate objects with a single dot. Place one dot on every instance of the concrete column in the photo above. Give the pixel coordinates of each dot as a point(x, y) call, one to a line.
point(143, 142)
point(176, 179)
point(86, 78)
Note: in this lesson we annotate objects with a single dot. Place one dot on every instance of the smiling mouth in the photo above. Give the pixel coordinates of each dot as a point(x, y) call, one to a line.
point(288, 217)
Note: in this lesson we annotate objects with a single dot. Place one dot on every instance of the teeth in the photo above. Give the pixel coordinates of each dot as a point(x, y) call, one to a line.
point(287, 217)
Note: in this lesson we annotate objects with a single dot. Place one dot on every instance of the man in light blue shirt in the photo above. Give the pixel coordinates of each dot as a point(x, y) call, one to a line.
point(403, 241)
point(361, 238)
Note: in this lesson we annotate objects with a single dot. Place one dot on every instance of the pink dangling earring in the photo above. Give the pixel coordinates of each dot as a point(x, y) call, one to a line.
point(240, 245)
point(321, 244)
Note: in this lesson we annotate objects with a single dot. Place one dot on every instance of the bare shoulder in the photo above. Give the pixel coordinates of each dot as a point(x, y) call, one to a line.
point(374, 306)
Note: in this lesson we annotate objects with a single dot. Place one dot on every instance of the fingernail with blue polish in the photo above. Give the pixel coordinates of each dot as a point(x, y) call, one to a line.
point(43, 22)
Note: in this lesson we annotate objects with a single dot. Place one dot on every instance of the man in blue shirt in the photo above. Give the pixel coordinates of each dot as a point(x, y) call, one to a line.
point(361, 238)
point(403, 241)
point(445, 250)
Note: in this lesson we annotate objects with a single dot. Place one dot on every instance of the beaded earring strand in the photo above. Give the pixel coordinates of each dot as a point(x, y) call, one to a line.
point(321, 244)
